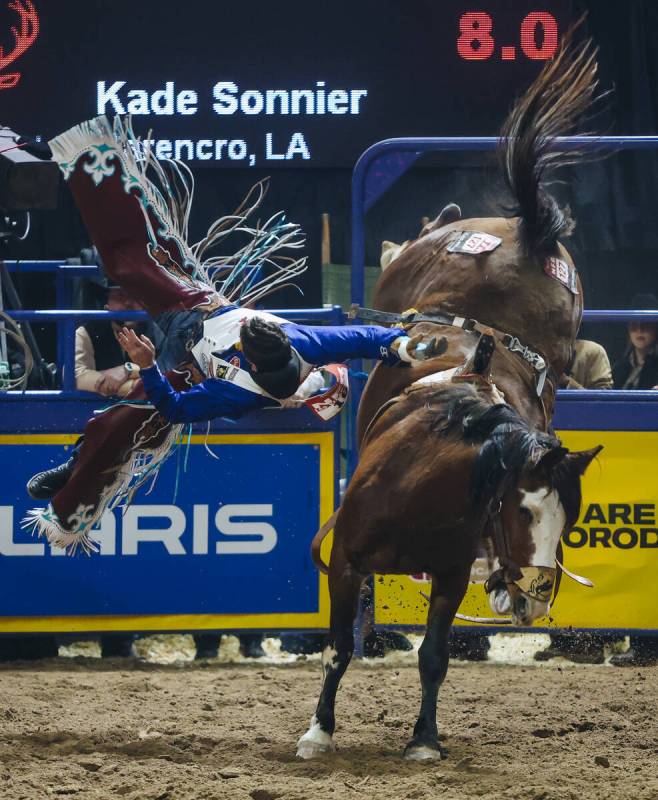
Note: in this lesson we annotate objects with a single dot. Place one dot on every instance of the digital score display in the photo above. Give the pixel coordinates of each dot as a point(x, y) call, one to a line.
point(538, 37)
point(271, 85)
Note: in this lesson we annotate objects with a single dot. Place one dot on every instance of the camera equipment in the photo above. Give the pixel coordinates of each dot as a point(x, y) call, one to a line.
point(29, 180)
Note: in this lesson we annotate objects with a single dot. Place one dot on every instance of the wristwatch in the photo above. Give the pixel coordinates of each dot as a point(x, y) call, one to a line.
point(131, 368)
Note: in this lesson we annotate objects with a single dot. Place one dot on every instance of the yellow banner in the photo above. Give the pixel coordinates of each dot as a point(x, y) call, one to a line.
point(615, 544)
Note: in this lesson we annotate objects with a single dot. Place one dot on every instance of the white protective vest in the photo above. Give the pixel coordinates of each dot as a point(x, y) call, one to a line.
point(221, 334)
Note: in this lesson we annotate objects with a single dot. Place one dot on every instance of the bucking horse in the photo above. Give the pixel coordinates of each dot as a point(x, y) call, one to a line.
point(460, 449)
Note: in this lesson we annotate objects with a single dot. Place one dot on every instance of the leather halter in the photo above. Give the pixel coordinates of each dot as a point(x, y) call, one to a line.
point(535, 582)
point(509, 570)
point(530, 581)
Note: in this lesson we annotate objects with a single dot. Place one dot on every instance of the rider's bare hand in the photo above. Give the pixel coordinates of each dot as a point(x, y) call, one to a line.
point(140, 348)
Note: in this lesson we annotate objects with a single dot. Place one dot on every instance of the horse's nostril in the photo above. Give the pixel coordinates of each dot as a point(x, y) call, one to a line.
point(500, 601)
point(521, 606)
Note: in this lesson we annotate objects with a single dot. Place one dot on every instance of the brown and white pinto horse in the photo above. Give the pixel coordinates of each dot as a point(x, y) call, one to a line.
point(460, 447)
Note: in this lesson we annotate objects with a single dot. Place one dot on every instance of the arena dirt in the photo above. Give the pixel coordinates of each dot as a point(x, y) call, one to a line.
point(87, 728)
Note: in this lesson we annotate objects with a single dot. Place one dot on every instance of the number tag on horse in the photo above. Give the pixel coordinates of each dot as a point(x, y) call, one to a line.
point(330, 402)
point(560, 271)
point(474, 242)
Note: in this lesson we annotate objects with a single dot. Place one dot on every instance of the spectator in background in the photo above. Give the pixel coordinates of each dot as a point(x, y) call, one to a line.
point(638, 369)
point(101, 366)
point(589, 368)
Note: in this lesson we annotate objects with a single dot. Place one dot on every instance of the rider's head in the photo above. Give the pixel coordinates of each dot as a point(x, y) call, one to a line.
point(275, 365)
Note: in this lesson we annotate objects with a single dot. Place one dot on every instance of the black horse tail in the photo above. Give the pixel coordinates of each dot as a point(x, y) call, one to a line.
point(559, 97)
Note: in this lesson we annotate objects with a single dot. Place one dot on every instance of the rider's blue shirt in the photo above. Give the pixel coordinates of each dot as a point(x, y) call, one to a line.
point(317, 345)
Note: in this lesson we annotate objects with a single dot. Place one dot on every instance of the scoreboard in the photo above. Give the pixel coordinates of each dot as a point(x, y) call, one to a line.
point(265, 84)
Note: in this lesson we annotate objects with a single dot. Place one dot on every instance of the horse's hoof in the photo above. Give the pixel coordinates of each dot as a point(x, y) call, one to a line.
point(308, 750)
point(423, 752)
point(315, 743)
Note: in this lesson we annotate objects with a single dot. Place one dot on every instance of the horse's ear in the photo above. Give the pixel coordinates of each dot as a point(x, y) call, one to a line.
point(582, 459)
point(451, 213)
point(551, 458)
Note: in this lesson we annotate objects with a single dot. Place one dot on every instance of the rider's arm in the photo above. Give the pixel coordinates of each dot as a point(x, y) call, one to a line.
point(209, 399)
point(320, 344)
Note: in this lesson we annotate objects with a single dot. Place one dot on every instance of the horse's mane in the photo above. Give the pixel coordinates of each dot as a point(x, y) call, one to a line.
point(508, 444)
point(560, 96)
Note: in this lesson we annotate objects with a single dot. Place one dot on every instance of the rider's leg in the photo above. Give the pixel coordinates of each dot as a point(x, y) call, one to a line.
point(102, 468)
point(133, 232)
point(181, 330)
point(47, 483)
point(143, 252)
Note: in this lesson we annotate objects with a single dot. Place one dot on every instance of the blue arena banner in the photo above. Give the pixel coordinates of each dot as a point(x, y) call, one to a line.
point(222, 544)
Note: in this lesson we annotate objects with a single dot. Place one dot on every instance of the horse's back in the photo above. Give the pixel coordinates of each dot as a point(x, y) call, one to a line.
point(502, 287)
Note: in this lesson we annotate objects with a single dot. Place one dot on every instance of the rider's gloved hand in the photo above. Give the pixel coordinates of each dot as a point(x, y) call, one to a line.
point(407, 318)
point(418, 348)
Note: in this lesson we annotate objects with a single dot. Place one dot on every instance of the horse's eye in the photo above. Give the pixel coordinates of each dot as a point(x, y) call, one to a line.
point(525, 514)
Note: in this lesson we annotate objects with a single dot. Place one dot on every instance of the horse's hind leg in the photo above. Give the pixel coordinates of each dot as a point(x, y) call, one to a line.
point(344, 586)
point(447, 594)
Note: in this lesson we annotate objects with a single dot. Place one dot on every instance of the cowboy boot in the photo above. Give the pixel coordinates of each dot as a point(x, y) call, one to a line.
point(46, 484)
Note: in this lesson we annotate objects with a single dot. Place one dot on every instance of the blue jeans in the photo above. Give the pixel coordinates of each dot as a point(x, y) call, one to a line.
point(181, 331)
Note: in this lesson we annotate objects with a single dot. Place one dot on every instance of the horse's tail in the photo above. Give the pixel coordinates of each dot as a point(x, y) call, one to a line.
point(551, 107)
point(319, 537)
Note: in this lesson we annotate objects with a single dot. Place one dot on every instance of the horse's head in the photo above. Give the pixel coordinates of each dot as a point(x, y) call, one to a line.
point(527, 522)
point(526, 489)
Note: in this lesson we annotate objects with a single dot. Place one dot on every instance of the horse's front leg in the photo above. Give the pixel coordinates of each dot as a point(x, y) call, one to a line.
point(344, 587)
point(447, 593)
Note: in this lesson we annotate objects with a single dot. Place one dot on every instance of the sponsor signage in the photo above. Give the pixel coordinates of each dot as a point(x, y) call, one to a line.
point(222, 544)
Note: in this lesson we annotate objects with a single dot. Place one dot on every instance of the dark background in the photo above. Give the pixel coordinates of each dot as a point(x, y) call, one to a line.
point(406, 56)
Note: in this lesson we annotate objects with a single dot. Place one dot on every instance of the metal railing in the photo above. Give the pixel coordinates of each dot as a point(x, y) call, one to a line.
point(68, 319)
point(382, 164)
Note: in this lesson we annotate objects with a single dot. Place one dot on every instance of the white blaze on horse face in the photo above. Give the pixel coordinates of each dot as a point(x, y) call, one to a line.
point(546, 526)
point(548, 521)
